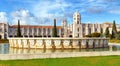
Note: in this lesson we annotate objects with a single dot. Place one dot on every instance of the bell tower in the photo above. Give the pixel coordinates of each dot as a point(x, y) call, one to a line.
point(76, 24)
point(77, 18)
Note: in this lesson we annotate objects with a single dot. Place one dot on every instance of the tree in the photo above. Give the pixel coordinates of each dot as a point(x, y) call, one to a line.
point(107, 32)
point(118, 35)
point(95, 34)
point(18, 29)
point(114, 30)
point(54, 29)
point(101, 32)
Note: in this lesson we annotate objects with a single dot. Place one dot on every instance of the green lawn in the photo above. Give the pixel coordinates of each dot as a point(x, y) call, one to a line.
point(114, 41)
point(77, 61)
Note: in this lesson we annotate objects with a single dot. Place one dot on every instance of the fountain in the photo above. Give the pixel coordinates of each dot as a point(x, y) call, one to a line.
point(58, 43)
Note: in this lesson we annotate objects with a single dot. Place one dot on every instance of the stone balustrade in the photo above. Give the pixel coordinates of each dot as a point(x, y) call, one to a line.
point(58, 43)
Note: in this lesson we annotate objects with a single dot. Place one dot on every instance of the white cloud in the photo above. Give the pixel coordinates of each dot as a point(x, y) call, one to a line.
point(3, 17)
point(98, 6)
point(95, 9)
point(115, 10)
point(24, 16)
point(48, 10)
point(44, 11)
point(27, 18)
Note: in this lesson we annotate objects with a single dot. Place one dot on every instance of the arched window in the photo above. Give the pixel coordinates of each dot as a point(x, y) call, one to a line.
point(78, 29)
point(77, 21)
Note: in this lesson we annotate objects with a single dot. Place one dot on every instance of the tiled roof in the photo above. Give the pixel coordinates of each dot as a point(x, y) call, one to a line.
point(107, 23)
point(34, 26)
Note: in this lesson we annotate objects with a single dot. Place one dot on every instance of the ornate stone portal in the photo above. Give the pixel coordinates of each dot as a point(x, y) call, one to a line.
point(58, 43)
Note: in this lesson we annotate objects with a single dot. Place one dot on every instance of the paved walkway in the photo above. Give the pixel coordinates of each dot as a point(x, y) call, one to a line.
point(114, 44)
point(57, 55)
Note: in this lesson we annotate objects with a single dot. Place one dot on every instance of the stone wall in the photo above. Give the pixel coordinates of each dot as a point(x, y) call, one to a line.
point(56, 55)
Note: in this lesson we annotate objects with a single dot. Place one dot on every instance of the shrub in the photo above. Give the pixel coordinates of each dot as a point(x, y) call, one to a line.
point(87, 35)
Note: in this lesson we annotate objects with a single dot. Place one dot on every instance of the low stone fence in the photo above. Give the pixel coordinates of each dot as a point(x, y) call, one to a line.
point(58, 43)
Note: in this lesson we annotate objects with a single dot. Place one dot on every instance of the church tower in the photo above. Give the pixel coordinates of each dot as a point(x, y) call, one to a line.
point(77, 18)
point(77, 25)
point(64, 23)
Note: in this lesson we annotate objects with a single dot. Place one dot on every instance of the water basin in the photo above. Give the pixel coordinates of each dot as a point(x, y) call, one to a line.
point(5, 49)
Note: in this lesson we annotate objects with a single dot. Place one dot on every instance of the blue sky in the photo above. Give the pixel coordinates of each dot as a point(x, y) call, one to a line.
point(42, 12)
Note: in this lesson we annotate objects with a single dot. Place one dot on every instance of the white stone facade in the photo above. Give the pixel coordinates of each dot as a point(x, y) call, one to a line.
point(75, 30)
point(81, 29)
point(35, 31)
point(4, 30)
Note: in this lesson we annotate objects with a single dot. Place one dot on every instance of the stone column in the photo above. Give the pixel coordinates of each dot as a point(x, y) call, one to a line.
point(46, 32)
point(59, 32)
point(107, 42)
point(81, 32)
point(110, 48)
point(23, 31)
point(96, 43)
point(99, 28)
point(32, 32)
point(93, 28)
point(51, 30)
point(37, 31)
point(87, 43)
point(74, 31)
point(65, 32)
point(86, 28)
point(83, 43)
point(28, 32)
point(15, 32)
point(42, 32)
point(103, 42)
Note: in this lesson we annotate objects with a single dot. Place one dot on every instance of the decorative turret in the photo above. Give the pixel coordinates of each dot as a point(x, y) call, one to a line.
point(64, 23)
